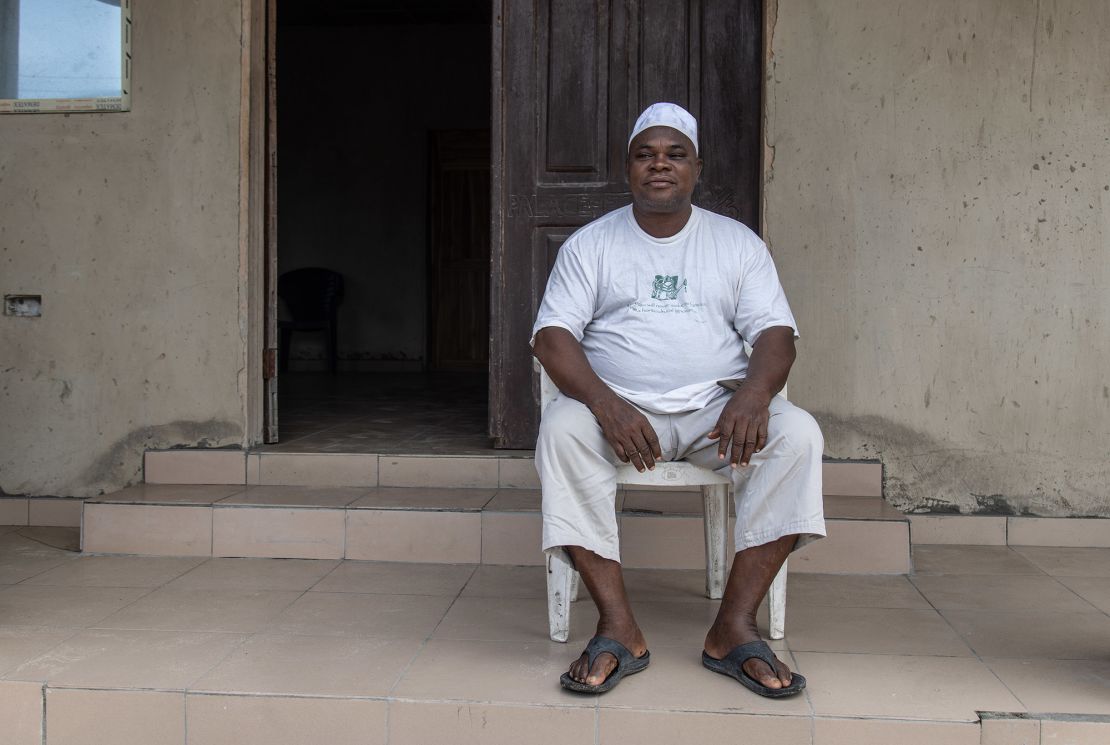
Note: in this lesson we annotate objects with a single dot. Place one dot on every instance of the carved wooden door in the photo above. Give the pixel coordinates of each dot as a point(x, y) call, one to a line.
point(569, 79)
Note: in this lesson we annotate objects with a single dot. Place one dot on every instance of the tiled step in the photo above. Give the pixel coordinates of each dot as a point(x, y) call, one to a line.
point(660, 529)
point(501, 469)
point(185, 717)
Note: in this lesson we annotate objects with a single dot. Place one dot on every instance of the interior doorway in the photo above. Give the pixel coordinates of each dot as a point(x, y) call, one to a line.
point(383, 121)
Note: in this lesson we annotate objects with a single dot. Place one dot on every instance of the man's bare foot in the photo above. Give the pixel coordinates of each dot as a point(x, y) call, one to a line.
point(721, 640)
point(627, 633)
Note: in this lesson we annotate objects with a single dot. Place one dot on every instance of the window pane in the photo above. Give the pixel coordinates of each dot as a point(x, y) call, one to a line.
point(69, 48)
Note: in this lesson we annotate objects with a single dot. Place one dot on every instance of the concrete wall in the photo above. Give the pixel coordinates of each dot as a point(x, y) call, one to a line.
point(127, 224)
point(937, 197)
point(353, 181)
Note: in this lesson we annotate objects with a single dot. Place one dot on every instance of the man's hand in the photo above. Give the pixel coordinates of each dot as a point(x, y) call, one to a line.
point(628, 432)
point(743, 424)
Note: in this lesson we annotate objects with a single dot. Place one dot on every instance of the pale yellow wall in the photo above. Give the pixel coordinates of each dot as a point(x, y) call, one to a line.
point(127, 224)
point(937, 198)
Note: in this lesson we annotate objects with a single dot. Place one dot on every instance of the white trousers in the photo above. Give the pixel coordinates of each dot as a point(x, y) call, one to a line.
point(777, 494)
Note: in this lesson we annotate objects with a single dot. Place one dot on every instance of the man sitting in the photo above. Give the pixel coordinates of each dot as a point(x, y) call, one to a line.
point(645, 310)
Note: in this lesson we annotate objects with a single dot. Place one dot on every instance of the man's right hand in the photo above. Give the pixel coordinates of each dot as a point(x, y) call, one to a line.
point(629, 433)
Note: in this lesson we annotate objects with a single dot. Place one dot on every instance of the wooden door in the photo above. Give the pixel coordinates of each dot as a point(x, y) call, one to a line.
point(569, 79)
point(458, 249)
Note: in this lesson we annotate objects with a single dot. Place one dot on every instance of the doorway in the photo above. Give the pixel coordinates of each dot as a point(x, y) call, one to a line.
point(383, 120)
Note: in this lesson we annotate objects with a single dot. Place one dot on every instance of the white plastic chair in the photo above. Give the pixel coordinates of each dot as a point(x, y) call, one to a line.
point(563, 580)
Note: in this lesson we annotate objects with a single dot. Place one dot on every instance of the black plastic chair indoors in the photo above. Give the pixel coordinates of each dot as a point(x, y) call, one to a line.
point(313, 296)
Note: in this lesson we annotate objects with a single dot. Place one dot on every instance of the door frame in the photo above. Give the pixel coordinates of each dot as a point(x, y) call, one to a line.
point(257, 73)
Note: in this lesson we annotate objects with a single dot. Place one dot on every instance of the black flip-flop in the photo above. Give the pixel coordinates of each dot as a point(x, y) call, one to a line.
point(627, 664)
point(733, 666)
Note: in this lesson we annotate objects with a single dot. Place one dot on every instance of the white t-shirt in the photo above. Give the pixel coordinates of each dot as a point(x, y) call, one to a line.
point(661, 320)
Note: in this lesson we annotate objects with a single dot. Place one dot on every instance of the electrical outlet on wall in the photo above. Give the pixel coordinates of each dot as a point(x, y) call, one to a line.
point(25, 306)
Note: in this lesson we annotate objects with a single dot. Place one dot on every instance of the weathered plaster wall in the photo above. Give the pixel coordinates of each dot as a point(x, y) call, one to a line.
point(937, 197)
point(127, 224)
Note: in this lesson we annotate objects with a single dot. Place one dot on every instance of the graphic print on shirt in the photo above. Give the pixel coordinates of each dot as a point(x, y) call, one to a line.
point(666, 287)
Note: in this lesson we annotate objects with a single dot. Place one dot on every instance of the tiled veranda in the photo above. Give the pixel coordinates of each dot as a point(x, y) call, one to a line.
point(126, 649)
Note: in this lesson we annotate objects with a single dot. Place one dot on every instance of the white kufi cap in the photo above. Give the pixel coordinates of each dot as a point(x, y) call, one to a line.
point(667, 115)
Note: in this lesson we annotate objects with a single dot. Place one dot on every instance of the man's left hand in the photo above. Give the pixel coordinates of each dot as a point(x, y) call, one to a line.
point(743, 425)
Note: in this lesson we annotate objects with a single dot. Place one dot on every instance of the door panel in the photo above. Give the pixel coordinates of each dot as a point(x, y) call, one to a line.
point(570, 79)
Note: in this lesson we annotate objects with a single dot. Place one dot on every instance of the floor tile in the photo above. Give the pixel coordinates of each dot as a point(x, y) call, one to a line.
point(194, 467)
point(1060, 686)
point(21, 559)
point(675, 623)
point(857, 547)
point(422, 723)
point(174, 609)
point(423, 498)
point(650, 542)
point(494, 581)
point(861, 508)
point(21, 712)
point(677, 680)
point(970, 560)
point(1052, 531)
point(311, 665)
point(1095, 590)
point(654, 585)
point(998, 592)
point(518, 473)
point(347, 614)
point(256, 720)
point(512, 538)
point(396, 578)
point(828, 731)
point(872, 631)
point(13, 511)
point(296, 496)
point(256, 574)
point(511, 619)
point(515, 500)
point(19, 644)
point(871, 685)
point(170, 494)
point(26, 605)
point(55, 512)
point(117, 571)
point(62, 538)
point(151, 529)
point(1068, 562)
point(494, 672)
point(436, 537)
point(278, 532)
point(622, 726)
point(854, 479)
point(319, 469)
point(441, 471)
point(1025, 634)
point(958, 529)
point(1065, 732)
point(80, 717)
point(853, 591)
point(99, 658)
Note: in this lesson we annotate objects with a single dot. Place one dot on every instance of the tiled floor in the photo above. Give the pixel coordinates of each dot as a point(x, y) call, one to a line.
point(426, 413)
point(418, 653)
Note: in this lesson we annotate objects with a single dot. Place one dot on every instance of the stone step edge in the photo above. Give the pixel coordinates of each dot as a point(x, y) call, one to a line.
point(842, 478)
point(33, 705)
point(504, 538)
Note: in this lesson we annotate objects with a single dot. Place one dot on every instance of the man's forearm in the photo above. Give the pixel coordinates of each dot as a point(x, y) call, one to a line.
point(562, 357)
point(772, 357)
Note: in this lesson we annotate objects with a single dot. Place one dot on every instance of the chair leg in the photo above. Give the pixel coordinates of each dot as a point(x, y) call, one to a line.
point(562, 581)
point(715, 498)
point(776, 604)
